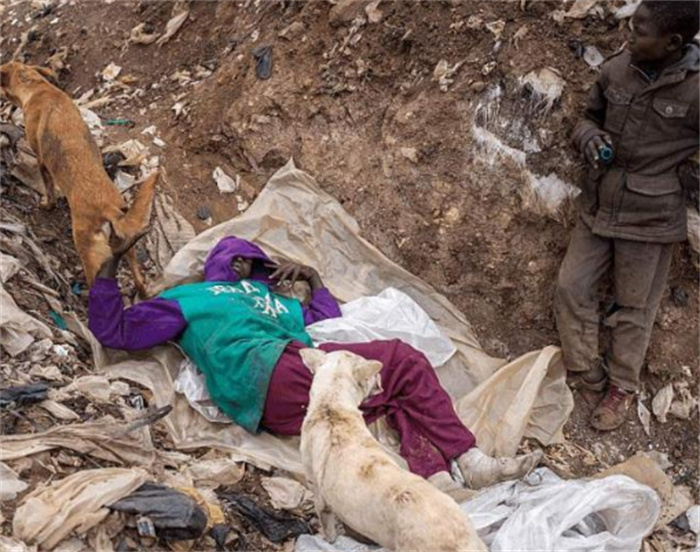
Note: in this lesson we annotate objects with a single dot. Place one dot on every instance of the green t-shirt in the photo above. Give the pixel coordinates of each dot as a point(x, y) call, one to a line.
point(236, 333)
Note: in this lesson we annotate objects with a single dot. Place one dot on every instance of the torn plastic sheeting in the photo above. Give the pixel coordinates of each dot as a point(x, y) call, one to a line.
point(548, 514)
point(275, 526)
point(10, 483)
point(9, 266)
point(74, 504)
point(25, 168)
point(192, 383)
point(172, 27)
point(293, 218)
point(17, 329)
point(213, 473)
point(171, 231)
point(8, 544)
point(107, 439)
point(285, 493)
point(21, 395)
point(175, 515)
point(390, 315)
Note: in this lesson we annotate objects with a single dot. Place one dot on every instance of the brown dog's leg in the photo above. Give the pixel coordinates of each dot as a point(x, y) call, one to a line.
point(49, 199)
point(138, 216)
point(139, 281)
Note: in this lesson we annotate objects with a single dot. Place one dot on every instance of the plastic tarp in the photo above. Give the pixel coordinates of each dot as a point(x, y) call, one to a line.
point(545, 513)
point(293, 218)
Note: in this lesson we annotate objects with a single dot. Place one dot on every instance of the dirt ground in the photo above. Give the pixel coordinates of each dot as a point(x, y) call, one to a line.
point(356, 106)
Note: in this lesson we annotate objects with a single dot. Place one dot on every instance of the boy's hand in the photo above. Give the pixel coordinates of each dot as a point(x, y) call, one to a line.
point(291, 272)
point(593, 146)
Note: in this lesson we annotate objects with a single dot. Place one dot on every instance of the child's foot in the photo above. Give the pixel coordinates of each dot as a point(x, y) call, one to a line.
point(480, 470)
point(594, 379)
point(612, 410)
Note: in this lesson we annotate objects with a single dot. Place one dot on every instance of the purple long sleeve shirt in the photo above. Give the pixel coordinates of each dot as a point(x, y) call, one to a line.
point(156, 321)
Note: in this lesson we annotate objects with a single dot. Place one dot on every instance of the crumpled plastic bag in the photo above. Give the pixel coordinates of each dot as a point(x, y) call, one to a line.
point(390, 315)
point(10, 483)
point(192, 383)
point(77, 503)
point(18, 329)
point(545, 513)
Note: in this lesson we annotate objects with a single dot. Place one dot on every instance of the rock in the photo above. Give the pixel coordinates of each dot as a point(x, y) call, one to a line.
point(411, 154)
point(478, 86)
point(679, 296)
point(662, 402)
point(292, 31)
point(345, 11)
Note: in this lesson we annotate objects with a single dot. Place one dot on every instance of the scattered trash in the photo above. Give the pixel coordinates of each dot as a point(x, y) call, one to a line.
point(172, 27)
point(644, 416)
point(192, 383)
point(58, 320)
point(74, 504)
point(57, 62)
point(275, 526)
point(627, 10)
point(213, 473)
point(674, 499)
point(661, 403)
point(10, 484)
point(22, 395)
point(496, 28)
point(286, 494)
point(475, 22)
point(77, 288)
point(488, 68)
point(124, 181)
point(693, 515)
point(163, 512)
point(683, 406)
point(59, 411)
point(18, 330)
point(141, 35)
point(545, 86)
point(224, 182)
point(203, 213)
point(263, 61)
point(581, 8)
point(111, 72)
point(96, 388)
point(592, 56)
point(170, 232)
point(679, 296)
point(521, 33)
point(443, 73)
point(291, 31)
point(373, 13)
point(119, 122)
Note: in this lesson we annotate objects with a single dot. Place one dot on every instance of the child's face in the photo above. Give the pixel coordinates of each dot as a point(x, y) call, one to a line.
point(242, 266)
point(646, 43)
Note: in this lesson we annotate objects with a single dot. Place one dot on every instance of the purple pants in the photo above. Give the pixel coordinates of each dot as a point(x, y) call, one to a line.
point(413, 402)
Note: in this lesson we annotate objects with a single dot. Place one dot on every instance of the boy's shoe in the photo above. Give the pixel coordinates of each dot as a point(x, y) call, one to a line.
point(594, 379)
point(480, 470)
point(612, 410)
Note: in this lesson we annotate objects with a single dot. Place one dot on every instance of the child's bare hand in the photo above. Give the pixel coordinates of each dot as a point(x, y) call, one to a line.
point(593, 146)
point(291, 272)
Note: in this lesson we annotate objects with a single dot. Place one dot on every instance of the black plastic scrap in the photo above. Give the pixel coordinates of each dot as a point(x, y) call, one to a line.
point(263, 61)
point(275, 526)
point(175, 516)
point(23, 394)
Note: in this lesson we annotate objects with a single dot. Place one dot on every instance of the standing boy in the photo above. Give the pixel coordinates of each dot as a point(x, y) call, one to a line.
point(640, 126)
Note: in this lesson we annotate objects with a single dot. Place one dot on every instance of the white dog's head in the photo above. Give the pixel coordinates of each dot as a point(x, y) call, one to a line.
point(341, 369)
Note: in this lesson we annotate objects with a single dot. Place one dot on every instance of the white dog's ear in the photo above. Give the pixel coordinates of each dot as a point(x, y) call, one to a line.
point(367, 369)
point(313, 358)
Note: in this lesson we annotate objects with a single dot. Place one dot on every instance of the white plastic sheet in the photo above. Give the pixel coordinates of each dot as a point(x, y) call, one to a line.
point(390, 315)
point(548, 514)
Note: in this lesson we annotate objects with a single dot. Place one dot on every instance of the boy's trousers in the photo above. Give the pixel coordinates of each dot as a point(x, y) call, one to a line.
point(640, 271)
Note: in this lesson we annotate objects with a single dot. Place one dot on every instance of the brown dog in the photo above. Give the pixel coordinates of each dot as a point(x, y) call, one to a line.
point(70, 159)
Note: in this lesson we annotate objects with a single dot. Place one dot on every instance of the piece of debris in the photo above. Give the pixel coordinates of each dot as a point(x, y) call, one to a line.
point(110, 162)
point(346, 11)
point(496, 28)
point(475, 22)
point(22, 395)
point(661, 403)
point(292, 30)
point(111, 72)
point(224, 182)
point(203, 213)
point(10, 484)
point(169, 514)
point(545, 86)
point(679, 296)
point(627, 10)
point(521, 33)
point(592, 56)
point(683, 406)
point(263, 61)
point(173, 26)
point(373, 13)
point(410, 153)
point(443, 73)
point(158, 142)
point(644, 416)
point(693, 515)
point(581, 9)
point(59, 411)
point(75, 504)
point(276, 527)
point(57, 62)
point(488, 68)
point(285, 493)
point(140, 35)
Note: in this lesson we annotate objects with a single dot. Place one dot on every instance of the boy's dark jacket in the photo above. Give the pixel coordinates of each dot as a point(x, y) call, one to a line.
point(654, 129)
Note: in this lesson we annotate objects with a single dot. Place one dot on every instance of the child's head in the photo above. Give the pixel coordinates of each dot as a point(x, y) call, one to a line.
point(660, 28)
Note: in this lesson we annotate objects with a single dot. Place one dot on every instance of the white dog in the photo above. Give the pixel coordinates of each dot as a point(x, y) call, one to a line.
point(356, 480)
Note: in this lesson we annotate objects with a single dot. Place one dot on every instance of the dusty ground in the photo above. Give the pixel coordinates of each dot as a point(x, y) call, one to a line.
point(356, 106)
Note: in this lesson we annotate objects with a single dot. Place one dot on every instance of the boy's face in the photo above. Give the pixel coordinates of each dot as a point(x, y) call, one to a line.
point(646, 43)
point(242, 266)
